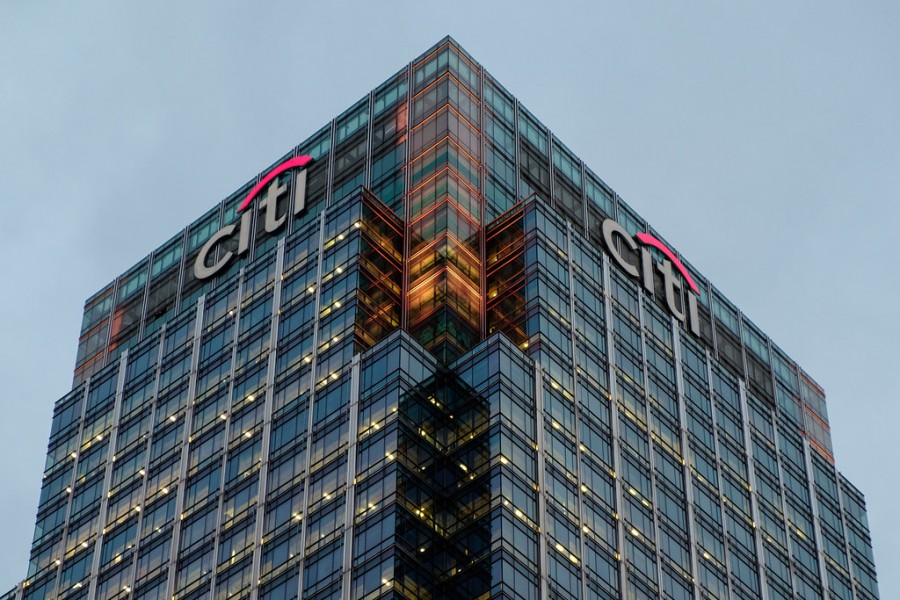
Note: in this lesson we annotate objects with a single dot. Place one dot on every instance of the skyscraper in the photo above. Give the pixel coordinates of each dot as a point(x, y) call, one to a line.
point(428, 353)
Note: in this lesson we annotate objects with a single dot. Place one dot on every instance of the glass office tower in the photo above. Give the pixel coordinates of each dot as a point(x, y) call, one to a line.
point(436, 357)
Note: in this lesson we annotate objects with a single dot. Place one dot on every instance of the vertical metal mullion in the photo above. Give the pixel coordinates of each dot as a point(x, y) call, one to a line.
point(688, 481)
point(577, 407)
point(775, 428)
point(267, 420)
point(541, 478)
point(745, 349)
point(185, 447)
point(790, 554)
point(482, 223)
point(650, 437)
point(312, 397)
point(351, 476)
point(585, 212)
point(614, 426)
point(715, 430)
point(407, 179)
point(71, 495)
point(754, 505)
point(817, 528)
point(149, 445)
point(182, 262)
point(224, 461)
point(110, 319)
point(517, 159)
point(145, 299)
point(370, 127)
point(329, 183)
point(847, 549)
point(552, 169)
point(107, 476)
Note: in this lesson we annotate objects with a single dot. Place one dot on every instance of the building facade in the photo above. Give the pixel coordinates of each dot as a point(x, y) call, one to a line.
point(428, 353)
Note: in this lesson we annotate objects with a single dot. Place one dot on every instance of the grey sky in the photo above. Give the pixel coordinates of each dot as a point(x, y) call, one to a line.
point(761, 141)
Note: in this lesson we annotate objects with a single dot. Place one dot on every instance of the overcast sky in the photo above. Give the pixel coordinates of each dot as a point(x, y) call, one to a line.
point(762, 141)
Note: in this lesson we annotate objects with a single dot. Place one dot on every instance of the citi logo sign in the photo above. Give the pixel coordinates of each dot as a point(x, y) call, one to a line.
point(268, 205)
point(671, 269)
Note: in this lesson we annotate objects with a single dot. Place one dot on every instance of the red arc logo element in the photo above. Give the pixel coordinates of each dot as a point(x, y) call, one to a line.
point(292, 163)
point(650, 240)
